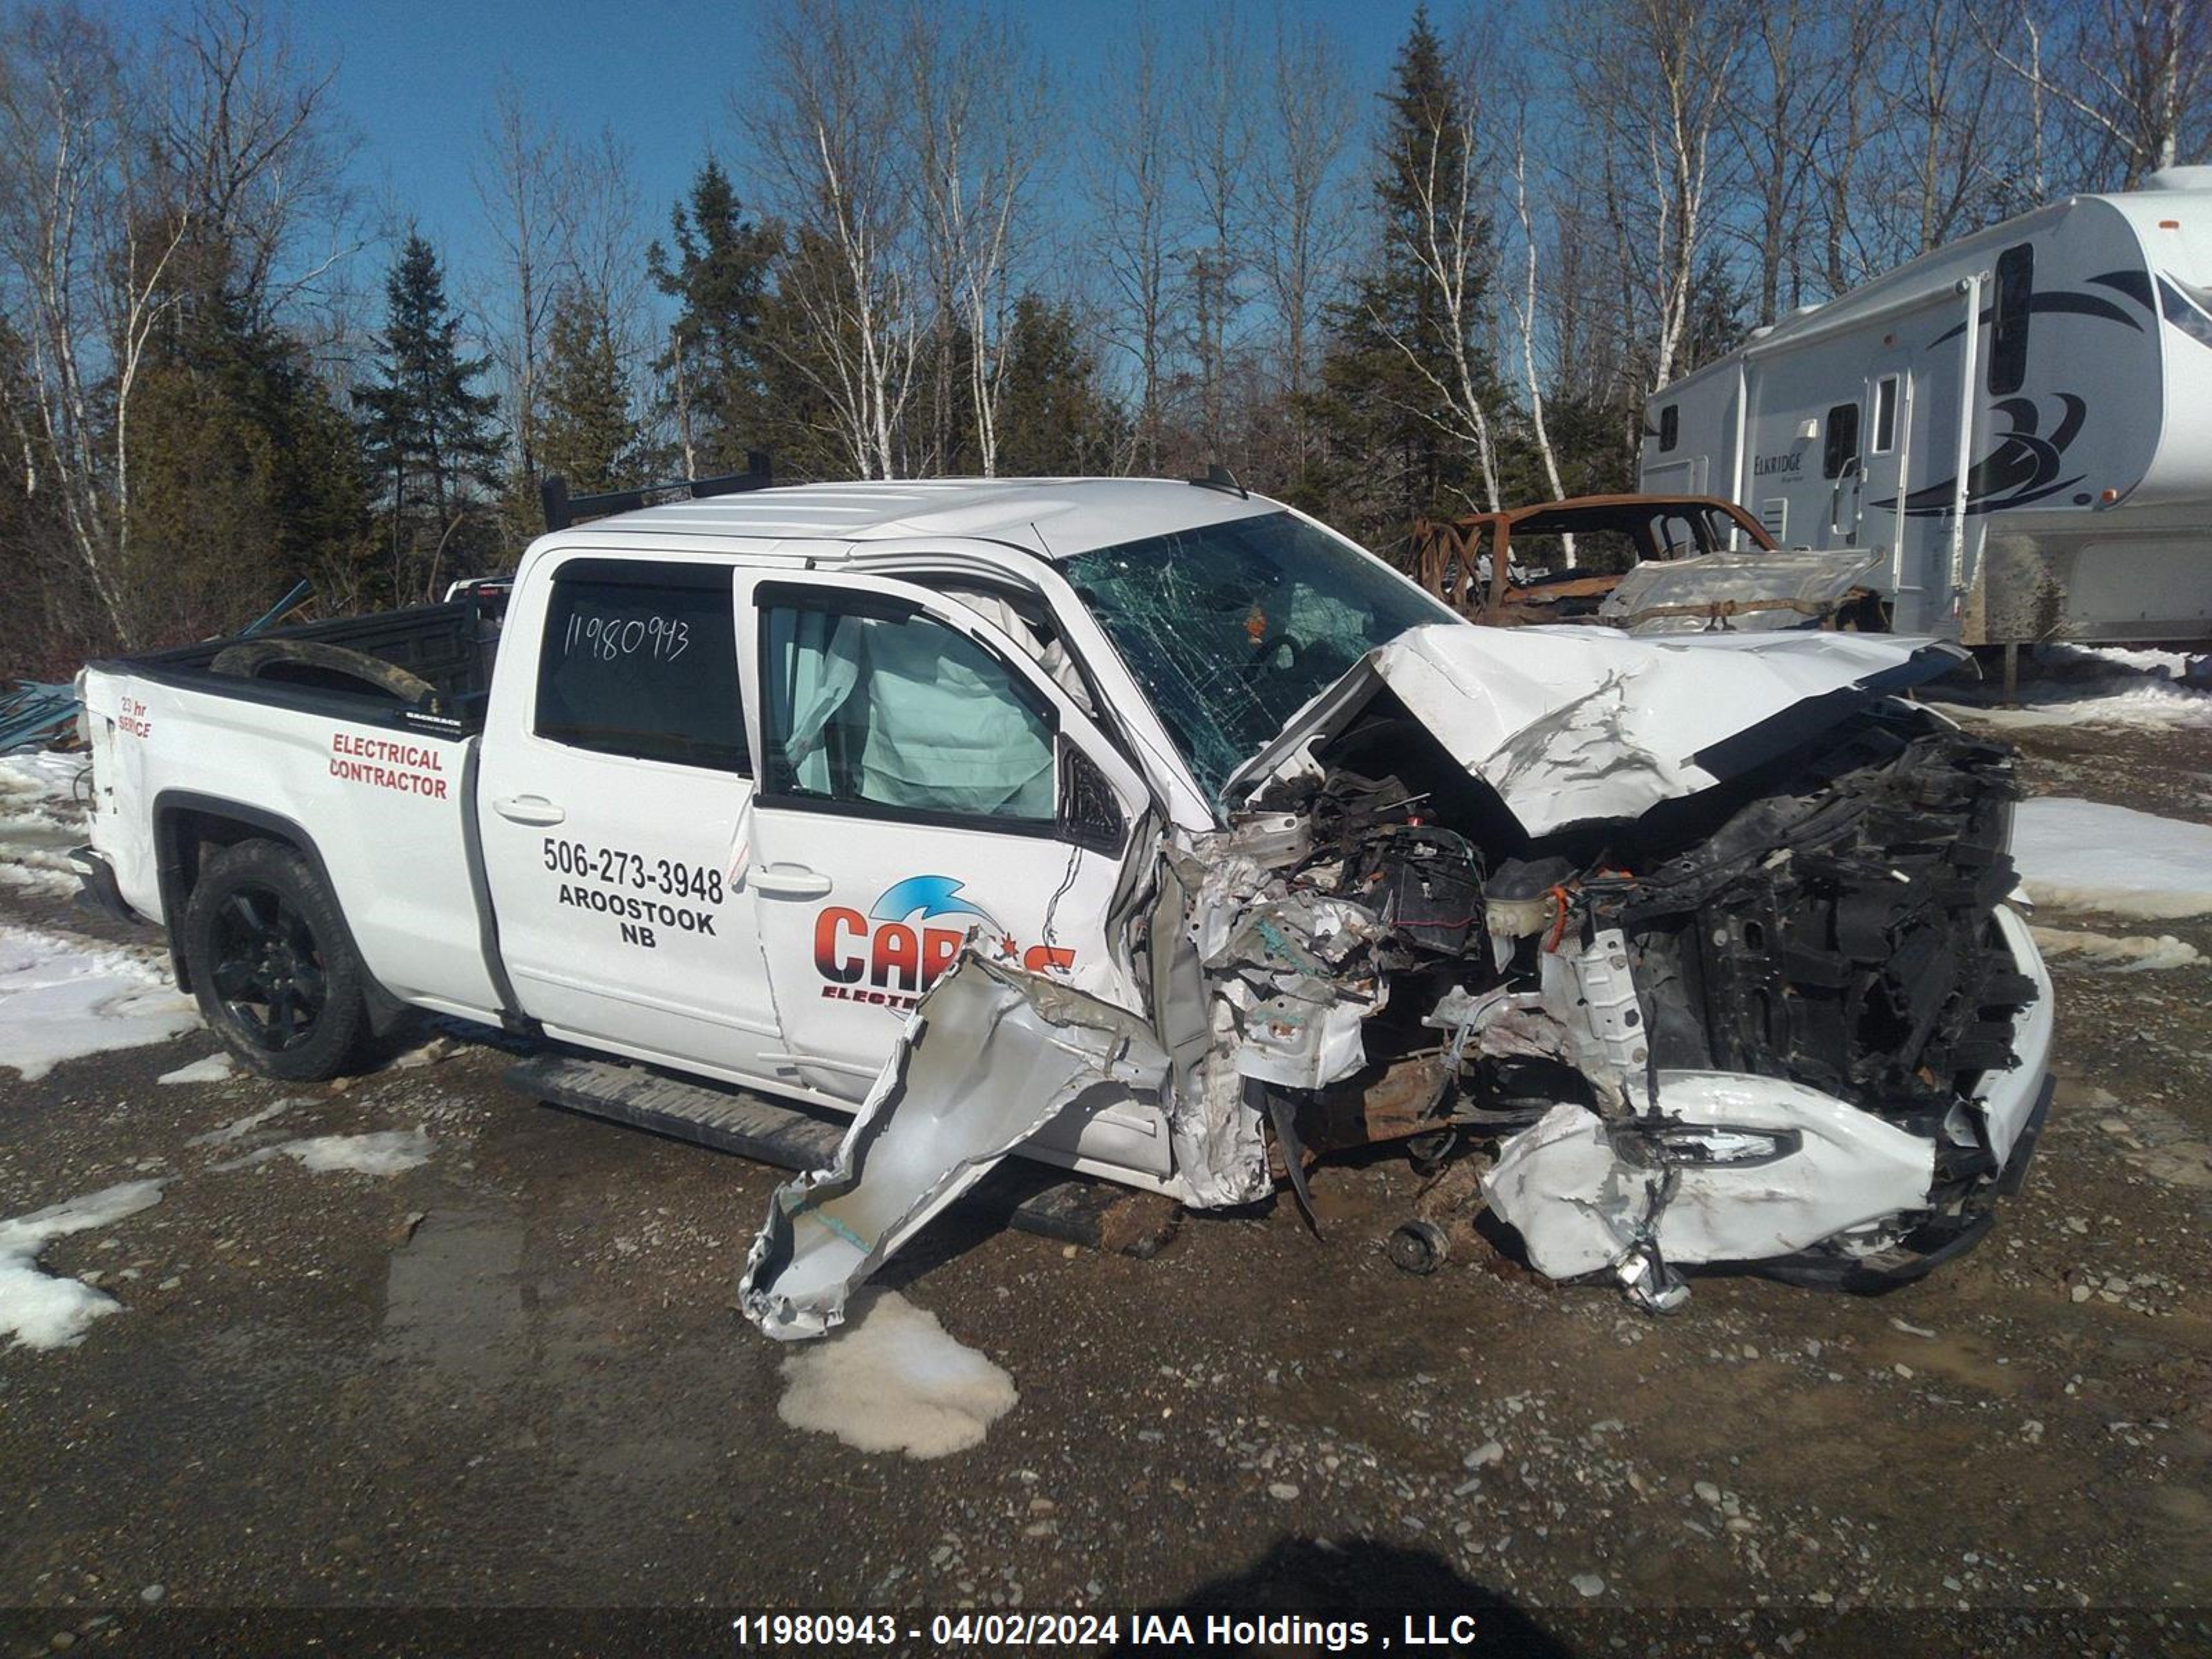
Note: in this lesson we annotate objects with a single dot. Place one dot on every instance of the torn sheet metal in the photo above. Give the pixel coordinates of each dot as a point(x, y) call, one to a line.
point(1756, 591)
point(990, 1054)
point(1573, 725)
point(1731, 1169)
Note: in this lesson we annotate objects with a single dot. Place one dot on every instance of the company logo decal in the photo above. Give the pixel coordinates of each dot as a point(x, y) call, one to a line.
point(908, 938)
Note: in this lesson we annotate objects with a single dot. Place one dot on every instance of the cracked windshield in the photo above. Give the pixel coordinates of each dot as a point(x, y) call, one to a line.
point(1232, 628)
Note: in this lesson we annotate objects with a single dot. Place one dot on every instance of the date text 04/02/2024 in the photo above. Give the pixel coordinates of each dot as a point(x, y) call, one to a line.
point(1083, 1630)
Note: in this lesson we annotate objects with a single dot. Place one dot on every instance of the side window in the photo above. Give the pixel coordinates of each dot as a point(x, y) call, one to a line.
point(875, 709)
point(639, 658)
point(2008, 319)
point(1885, 415)
point(1670, 427)
point(1842, 450)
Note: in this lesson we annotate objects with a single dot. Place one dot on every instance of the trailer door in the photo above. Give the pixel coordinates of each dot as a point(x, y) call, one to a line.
point(1881, 525)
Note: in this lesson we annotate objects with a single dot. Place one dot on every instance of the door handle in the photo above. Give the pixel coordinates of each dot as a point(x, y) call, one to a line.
point(528, 809)
point(787, 880)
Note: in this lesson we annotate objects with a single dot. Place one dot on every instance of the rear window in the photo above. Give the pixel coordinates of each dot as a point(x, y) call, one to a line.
point(639, 658)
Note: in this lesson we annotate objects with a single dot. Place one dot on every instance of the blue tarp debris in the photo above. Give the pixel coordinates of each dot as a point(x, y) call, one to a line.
point(36, 713)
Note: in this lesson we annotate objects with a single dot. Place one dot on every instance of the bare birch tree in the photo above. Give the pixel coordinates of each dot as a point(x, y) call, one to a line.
point(88, 232)
point(518, 181)
point(1442, 176)
point(2135, 75)
point(1304, 230)
point(980, 107)
point(1214, 137)
point(831, 139)
point(1133, 204)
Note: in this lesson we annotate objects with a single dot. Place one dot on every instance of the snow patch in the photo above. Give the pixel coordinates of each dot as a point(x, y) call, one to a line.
point(60, 1000)
point(40, 819)
point(215, 1068)
point(892, 1379)
point(2134, 953)
point(386, 1151)
point(238, 1128)
point(2106, 685)
point(2086, 855)
point(39, 1309)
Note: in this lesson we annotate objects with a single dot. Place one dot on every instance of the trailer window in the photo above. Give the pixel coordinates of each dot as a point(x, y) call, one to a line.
point(2008, 319)
point(640, 658)
point(1670, 427)
point(1842, 452)
point(1885, 415)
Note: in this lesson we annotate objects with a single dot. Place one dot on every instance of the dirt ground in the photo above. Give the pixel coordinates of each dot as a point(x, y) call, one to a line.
point(514, 1377)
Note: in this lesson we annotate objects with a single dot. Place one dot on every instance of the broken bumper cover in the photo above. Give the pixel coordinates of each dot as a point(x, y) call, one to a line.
point(1727, 1167)
point(989, 1058)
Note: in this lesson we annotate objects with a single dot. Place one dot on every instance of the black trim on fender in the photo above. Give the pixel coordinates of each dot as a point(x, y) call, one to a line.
point(2015, 1173)
point(383, 1008)
point(101, 889)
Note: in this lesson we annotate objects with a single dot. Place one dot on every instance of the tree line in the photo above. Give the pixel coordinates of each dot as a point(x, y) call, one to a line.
point(925, 245)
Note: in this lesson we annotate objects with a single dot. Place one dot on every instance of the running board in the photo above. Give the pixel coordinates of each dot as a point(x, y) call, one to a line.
point(1028, 1197)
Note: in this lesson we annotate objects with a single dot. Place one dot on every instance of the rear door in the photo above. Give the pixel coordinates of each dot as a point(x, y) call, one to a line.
point(921, 781)
point(611, 793)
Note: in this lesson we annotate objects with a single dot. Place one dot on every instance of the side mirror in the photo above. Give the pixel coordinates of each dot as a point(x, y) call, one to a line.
point(1089, 815)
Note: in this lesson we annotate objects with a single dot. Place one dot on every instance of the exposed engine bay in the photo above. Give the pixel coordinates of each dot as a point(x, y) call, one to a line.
point(1702, 945)
point(1826, 920)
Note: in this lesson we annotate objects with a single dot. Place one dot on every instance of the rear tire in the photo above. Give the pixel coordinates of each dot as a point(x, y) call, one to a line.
point(272, 964)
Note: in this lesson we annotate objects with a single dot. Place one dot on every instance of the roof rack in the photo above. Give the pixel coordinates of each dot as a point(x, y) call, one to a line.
point(563, 510)
point(1219, 476)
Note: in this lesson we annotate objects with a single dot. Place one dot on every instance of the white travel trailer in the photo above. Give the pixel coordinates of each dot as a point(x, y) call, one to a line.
point(2066, 495)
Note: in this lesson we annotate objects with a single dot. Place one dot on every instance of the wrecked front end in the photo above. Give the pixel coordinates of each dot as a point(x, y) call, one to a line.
point(1702, 944)
point(1780, 1017)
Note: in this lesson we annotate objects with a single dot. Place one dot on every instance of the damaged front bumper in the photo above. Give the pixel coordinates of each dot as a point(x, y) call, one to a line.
point(1728, 1169)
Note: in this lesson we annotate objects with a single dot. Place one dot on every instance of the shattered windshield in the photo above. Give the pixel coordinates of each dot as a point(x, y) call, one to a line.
point(1232, 628)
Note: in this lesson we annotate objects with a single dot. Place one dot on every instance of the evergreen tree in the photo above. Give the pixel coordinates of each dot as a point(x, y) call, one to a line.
point(1389, 458)
point(1055, 418)
point(718, 275)
point(585, 432)
point(426, 430)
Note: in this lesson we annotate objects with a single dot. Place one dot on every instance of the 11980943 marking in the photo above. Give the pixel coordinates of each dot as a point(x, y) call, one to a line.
point(670, 878)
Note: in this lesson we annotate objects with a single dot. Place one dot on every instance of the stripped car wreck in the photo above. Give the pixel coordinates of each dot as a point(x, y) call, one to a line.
point(1704, 942)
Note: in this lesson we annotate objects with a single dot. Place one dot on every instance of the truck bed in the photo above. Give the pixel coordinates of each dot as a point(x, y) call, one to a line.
point(451, 645)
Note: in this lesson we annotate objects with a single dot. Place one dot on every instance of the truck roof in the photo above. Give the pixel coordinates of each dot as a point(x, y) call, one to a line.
point(1054, 517)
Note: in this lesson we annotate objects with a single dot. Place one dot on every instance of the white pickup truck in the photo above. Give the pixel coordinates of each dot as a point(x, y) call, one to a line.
point(1210, 830)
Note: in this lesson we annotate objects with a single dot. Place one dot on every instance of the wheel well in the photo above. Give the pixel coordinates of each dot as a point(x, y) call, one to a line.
point(190, 830)
point(185, 838)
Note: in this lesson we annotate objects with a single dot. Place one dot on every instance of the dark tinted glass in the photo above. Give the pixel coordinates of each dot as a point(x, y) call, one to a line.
point(640, 659)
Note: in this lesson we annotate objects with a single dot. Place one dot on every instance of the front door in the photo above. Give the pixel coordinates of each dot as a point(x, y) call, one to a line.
point(610, 798)
point(922, 785)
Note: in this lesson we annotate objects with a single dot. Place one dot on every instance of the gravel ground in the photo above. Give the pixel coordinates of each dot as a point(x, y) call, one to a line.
point(512, 1377)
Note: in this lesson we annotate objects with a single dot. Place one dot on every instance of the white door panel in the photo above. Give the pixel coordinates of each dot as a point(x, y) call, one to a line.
point(913, 762)
point(613, 793)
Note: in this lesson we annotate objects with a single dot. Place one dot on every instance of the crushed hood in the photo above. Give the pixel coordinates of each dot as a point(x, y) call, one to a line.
point(1570, 725)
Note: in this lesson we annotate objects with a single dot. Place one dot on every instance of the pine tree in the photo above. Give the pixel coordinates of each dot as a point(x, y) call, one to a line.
point(585, 432)
point(1055, 418)
point(718, 275)
point(1392, 461)
point(426, 430)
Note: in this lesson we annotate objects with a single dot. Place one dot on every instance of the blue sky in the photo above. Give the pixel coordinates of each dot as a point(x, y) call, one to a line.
point(414, 77)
